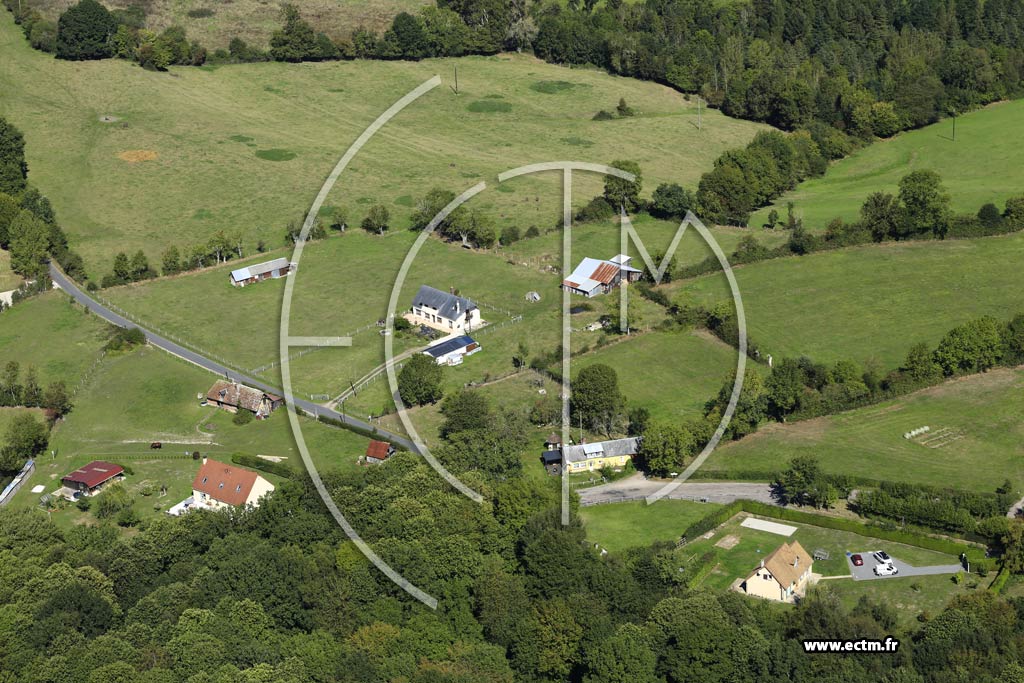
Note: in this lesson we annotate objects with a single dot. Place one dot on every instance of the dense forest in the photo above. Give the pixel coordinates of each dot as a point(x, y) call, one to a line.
point(278, 594)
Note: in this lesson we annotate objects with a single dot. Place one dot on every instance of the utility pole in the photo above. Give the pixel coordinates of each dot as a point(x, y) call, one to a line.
point(456, 88)
point(954, 128)
point(698, 113)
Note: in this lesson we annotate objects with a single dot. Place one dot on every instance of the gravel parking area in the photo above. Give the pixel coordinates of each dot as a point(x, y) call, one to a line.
point(867, 570)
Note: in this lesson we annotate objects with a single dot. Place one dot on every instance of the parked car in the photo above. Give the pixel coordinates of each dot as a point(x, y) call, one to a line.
point(888, 569)
point(857, 560)
point(882, 556)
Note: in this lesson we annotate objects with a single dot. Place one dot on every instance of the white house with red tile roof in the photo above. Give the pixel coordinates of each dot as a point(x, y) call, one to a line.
point(218, 485)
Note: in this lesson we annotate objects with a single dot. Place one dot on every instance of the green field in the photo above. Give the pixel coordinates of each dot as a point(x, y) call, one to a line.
point(984, 164)
point(8, 278)
point(618, 526)
point(672, 374)
point(206, 126)
point(869, 441)
point(53, 334)
point(242, 324)
point(252, 20)
point(872, 303)
point(148, 395)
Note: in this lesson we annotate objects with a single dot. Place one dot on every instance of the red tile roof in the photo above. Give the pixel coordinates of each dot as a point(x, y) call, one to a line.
point(225, 483)
point(379, 450)
point(94, 474)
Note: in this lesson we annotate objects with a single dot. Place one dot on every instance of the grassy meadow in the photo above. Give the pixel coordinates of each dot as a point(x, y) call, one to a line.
point(147, 395)
point(672, 374)
point(8, 278)
point(984, 164)
point(618, 526)
point(210, 126)
point(53, 334)
point(870, 304)
point(869, 441)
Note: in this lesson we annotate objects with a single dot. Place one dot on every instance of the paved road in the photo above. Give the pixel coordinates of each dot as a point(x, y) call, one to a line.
point(637, 487)
point(309, 407)
point(866, 572)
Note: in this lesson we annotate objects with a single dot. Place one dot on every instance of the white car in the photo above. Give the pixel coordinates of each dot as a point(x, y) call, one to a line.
point(887, 569)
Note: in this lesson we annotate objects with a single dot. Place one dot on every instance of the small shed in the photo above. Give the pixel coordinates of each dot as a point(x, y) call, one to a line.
point(551, 458)
point(378, 451)
point(533, 297)
point(553, 442)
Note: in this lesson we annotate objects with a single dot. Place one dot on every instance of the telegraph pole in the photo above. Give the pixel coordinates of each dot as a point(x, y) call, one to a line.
point(698, 113)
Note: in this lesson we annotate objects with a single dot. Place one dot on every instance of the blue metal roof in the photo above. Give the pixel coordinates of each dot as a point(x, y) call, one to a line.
point(447, 347)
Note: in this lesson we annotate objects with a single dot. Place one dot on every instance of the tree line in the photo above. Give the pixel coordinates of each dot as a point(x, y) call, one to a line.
point(278, 593)
point(28, 224)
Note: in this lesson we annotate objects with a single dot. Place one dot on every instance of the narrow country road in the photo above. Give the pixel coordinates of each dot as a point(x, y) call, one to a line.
point(65, 283)
point(638, 488)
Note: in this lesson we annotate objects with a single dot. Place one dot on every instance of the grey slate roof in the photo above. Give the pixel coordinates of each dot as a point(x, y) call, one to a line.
point(601, 449)
point(448, 305)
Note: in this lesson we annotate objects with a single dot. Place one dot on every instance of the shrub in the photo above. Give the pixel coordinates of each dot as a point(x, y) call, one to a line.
point(128, 517)
point(509, 235)
point(252, 462)
point(84, 504)
point(242, 417)
point(532, 231)
point(603, 116)
point(201, 13)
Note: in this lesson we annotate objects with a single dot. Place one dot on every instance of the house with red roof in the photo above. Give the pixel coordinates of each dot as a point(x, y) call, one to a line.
point(378, 451)
point(89, 479)
point(218, 485)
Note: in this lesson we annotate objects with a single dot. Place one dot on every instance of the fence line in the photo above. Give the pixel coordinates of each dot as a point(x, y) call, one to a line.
point(311, 349)
point(16, 483)
point(87, 376)
point(188, 344)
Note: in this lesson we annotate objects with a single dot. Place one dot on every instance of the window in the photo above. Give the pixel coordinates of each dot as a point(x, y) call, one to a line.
point(204, 479)
point(238, 489)
point(221, 485)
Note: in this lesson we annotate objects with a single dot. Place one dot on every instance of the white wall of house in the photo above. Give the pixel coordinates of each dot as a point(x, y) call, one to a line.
point(259, 489)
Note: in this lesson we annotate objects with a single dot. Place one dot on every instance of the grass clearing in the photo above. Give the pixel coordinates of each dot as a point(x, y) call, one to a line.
point(196, 118)
point(618, 526)
point(869, 441)
point(984, 164)
point(53, 334)
point(8, 278)
point(672, 374)
point(870, 304)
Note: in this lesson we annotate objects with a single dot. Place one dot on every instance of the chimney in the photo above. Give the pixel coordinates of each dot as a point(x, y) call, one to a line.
point(762, 564)
point(205, 459)
point(796, 561)
point(456, 305)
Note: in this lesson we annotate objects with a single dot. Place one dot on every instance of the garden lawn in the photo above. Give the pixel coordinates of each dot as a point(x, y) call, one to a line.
point(910, 596)
point(53, 334)
point(868, 442)
point(218, 134)
point(984, 164)
point(617, 526)
point(870, 304)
